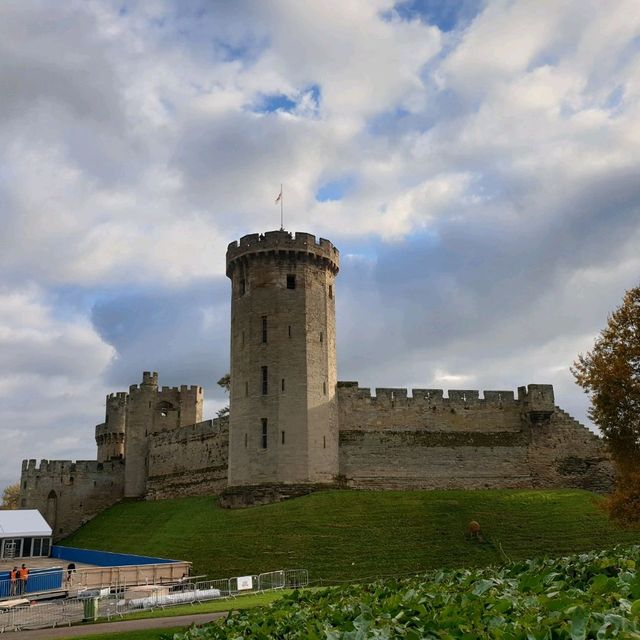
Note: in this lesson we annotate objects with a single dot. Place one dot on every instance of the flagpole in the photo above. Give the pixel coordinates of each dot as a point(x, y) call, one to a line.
point(281, 211)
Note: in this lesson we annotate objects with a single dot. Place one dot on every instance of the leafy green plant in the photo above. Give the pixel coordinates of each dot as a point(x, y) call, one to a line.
point(590, 595)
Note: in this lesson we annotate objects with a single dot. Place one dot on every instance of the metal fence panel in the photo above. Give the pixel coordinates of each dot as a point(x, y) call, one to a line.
point(41, 616)
point(271, 580)
point(296, 578)
point(184, 591)
point(244, 584)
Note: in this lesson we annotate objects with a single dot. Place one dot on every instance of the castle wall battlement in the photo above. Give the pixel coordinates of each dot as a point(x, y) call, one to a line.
point(282, 242)
point(67, 492)
point(105, 428)
point(31, 468)
point(400, 396)
point(461, 410)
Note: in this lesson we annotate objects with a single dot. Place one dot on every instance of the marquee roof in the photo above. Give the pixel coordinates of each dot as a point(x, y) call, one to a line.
point(23, 523)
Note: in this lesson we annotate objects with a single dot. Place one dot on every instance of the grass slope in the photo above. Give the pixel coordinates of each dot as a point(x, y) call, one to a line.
point(347, 535)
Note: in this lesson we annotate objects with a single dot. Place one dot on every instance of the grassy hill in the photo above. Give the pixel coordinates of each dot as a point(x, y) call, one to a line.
point(345, 535)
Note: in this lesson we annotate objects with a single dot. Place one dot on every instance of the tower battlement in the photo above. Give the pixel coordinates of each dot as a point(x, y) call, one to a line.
point(282, 243)
point(193, 389)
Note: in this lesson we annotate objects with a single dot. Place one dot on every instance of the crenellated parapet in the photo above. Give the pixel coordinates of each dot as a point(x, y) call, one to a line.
point(110, 435)
point(538, 401)
point(32, 469)
point(279, 244)
point(459, 411)
point(400, 397)
point(149, 380)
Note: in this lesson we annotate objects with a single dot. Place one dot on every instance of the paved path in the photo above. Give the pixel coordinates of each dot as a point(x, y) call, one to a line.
point(114, 627)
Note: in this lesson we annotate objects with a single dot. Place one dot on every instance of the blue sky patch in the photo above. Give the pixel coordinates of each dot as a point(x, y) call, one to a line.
point(447, 16)
point(270, 103)
point(275, 102)
point(335, 190)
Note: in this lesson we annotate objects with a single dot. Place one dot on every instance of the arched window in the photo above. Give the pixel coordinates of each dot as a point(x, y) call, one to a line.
point(164, 408)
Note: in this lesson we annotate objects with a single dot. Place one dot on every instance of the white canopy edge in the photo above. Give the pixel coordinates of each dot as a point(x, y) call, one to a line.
point(23, 523)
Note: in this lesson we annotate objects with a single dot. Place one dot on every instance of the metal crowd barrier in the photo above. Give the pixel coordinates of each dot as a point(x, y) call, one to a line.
point(145, 597)
point(41, 616)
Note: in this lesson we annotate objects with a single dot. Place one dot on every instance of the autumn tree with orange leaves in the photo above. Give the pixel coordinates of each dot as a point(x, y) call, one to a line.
point(610, 375)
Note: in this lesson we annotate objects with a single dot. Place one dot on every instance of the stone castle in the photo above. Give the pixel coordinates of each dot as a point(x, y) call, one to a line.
point(294, 428)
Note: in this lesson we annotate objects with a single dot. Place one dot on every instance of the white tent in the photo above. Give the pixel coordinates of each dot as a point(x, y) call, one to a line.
point(23, 523)
point(23, 533)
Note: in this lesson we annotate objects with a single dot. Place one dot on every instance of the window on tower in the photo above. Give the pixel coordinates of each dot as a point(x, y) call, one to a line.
point(242, 286)
point(264, 329)
point(331, 291)
point(263, 435)
point(265, 381)
point(291, 281)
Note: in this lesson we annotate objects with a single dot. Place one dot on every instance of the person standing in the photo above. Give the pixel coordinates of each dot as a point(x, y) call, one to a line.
point(23, 576)
point(13, 576)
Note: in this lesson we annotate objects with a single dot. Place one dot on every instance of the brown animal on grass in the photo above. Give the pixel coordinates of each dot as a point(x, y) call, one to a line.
point(474, 531)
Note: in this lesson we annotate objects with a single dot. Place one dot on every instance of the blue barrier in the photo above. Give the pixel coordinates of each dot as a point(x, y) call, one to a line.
point(103, 558)
point(38, 580)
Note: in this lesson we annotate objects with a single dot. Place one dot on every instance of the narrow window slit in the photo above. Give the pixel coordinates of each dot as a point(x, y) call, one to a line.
point(263, 439)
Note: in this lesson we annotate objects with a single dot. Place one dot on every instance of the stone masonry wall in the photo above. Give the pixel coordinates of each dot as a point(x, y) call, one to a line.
point(67, 493)
point(188, 461)
point(428, 441)
point(564, 453)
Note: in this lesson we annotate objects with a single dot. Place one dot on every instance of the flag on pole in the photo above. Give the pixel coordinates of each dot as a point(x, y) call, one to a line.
point(280, 199)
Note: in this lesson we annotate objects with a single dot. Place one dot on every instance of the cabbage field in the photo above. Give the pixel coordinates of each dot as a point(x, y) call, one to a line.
point(590, 595)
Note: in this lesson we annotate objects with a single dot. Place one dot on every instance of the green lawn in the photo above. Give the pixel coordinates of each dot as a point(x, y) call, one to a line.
point(351, 535)
point(213, 606)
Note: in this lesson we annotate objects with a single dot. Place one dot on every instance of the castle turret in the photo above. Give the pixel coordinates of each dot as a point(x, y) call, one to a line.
point(538, 401)
point(110, 435)
point(142, 400)
point(153, 410)
point(283, 419)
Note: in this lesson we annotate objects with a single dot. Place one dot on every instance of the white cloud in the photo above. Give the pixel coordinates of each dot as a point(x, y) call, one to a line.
point(492, 192)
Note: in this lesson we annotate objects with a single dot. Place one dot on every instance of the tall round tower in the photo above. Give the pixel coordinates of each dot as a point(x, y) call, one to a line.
point(283, 407)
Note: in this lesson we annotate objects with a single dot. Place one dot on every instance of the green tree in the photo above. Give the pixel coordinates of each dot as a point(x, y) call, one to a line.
point(11, 496)
point(225, 383)
point(610, 375)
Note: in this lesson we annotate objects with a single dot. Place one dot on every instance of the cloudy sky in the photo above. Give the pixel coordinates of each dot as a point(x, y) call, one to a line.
point(476, 163)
